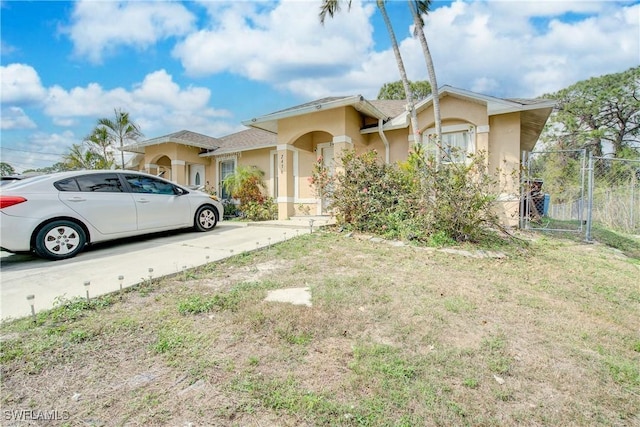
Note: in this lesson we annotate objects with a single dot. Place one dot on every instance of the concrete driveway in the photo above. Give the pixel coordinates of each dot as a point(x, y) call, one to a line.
point(134, 259)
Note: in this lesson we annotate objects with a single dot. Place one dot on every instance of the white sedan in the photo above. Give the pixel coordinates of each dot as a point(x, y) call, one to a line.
point(56, 215)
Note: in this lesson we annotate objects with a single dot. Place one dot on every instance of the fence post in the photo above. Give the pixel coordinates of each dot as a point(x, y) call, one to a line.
point(590, 171)
point(524, 170)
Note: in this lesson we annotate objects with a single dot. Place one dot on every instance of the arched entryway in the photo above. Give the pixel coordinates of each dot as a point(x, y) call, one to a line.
point(308, 150)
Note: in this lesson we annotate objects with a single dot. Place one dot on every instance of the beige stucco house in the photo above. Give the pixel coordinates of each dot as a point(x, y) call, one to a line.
point(286, 143)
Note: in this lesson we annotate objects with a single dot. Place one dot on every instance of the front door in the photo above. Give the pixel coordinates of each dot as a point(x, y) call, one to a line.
point(196, 175)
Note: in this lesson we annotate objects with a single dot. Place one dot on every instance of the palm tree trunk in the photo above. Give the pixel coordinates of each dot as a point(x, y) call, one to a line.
point(403, 73)
point(417, 20)
point(121, 154)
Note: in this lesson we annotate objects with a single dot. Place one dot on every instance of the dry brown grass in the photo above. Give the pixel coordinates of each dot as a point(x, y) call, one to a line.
point(396, 336)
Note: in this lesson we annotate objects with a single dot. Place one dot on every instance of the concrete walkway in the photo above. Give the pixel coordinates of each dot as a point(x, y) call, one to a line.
point(135, 261)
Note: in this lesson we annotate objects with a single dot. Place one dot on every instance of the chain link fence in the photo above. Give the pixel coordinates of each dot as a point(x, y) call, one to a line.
point(571, 190)
point(554, 192)
point(615, 194)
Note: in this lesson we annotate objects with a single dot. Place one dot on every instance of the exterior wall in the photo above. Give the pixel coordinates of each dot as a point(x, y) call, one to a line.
point(504, 154)
point(300, 140)
point(257, 158)
point(398, 145)
point(180, 157)
point(454, 111)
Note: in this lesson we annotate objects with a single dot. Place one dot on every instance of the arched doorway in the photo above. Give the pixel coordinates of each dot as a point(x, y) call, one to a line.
point(309, 149)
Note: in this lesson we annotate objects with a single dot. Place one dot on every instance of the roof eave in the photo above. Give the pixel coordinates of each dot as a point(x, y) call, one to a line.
point(135, 148)
point(269, 122)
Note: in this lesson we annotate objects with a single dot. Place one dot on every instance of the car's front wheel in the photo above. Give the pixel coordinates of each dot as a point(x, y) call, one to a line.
point(60, 240)
point(206, 218)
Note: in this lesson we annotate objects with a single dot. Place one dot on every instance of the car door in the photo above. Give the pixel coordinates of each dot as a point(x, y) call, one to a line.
point(160, 205)
point(100, 200)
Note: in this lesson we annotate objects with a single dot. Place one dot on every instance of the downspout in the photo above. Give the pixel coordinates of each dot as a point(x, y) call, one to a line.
point(384, 140)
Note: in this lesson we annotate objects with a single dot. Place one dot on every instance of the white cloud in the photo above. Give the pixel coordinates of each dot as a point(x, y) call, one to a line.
point(7, 49)
point(499, 47)
point(157, 104)
point(20, 84)
point(15, 118)
point(503, 48)
point(285, 42)
point(99, 27)
point(159, 87)
point(38, 150)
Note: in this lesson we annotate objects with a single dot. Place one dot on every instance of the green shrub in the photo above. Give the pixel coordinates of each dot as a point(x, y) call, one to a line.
point(247, 185)
point(264, 211)
point(415, 200)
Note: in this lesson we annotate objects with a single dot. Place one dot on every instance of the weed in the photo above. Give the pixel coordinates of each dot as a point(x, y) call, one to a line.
point(172, 338)
point(198, 304)
point(458, 305)
point(471, 382)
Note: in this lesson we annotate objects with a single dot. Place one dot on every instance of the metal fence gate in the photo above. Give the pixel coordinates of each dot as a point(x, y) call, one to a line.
point(614, 194)
point(571, 190)
point(554, 190)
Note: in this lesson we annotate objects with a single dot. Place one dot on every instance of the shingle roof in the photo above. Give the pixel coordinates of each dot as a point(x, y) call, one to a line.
point(185, 137)
point(391, 107)
point(248, 139)
point(310, 103)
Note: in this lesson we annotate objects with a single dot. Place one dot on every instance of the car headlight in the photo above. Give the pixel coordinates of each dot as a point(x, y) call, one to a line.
point(214, 197)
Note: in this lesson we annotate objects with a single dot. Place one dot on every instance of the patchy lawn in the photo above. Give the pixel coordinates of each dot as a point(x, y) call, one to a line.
point(547, 334)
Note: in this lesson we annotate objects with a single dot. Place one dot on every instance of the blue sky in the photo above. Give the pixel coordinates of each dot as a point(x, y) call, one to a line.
point(206, 66)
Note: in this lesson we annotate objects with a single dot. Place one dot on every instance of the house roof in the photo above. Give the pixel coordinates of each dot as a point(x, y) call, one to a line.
point(262, 131)
point(248, 139)
point(269, 122)
point(184, 137)
point(494, 105)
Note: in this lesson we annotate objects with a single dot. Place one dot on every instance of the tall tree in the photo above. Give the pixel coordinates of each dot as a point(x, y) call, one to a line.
point(6, 169)
point(99, 142)
point(601, 114)
point(120, 130)
point(81, 156)
point(418, 9)
point(395, 90)
point(331, 7)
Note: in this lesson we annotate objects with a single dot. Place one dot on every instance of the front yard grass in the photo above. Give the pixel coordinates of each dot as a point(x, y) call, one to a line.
point(396, 336)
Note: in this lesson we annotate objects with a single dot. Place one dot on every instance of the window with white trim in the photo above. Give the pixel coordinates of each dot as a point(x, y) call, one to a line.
point(226, 168)
point(458, 142)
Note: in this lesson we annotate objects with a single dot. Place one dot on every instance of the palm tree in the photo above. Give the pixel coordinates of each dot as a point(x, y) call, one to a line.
point(331, 7)
point(246, 184)
point(83, 157)
point(99, 141)
point(418, 8)
point(120, 130)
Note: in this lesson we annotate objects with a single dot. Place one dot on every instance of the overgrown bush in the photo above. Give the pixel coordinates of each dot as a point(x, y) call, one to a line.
point(255, 211)
point(415, 200)
point(247, 185)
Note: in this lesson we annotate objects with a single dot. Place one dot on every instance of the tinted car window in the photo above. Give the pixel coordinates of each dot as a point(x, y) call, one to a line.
point(149, 185)
point(104, 183)
point(68, 184)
